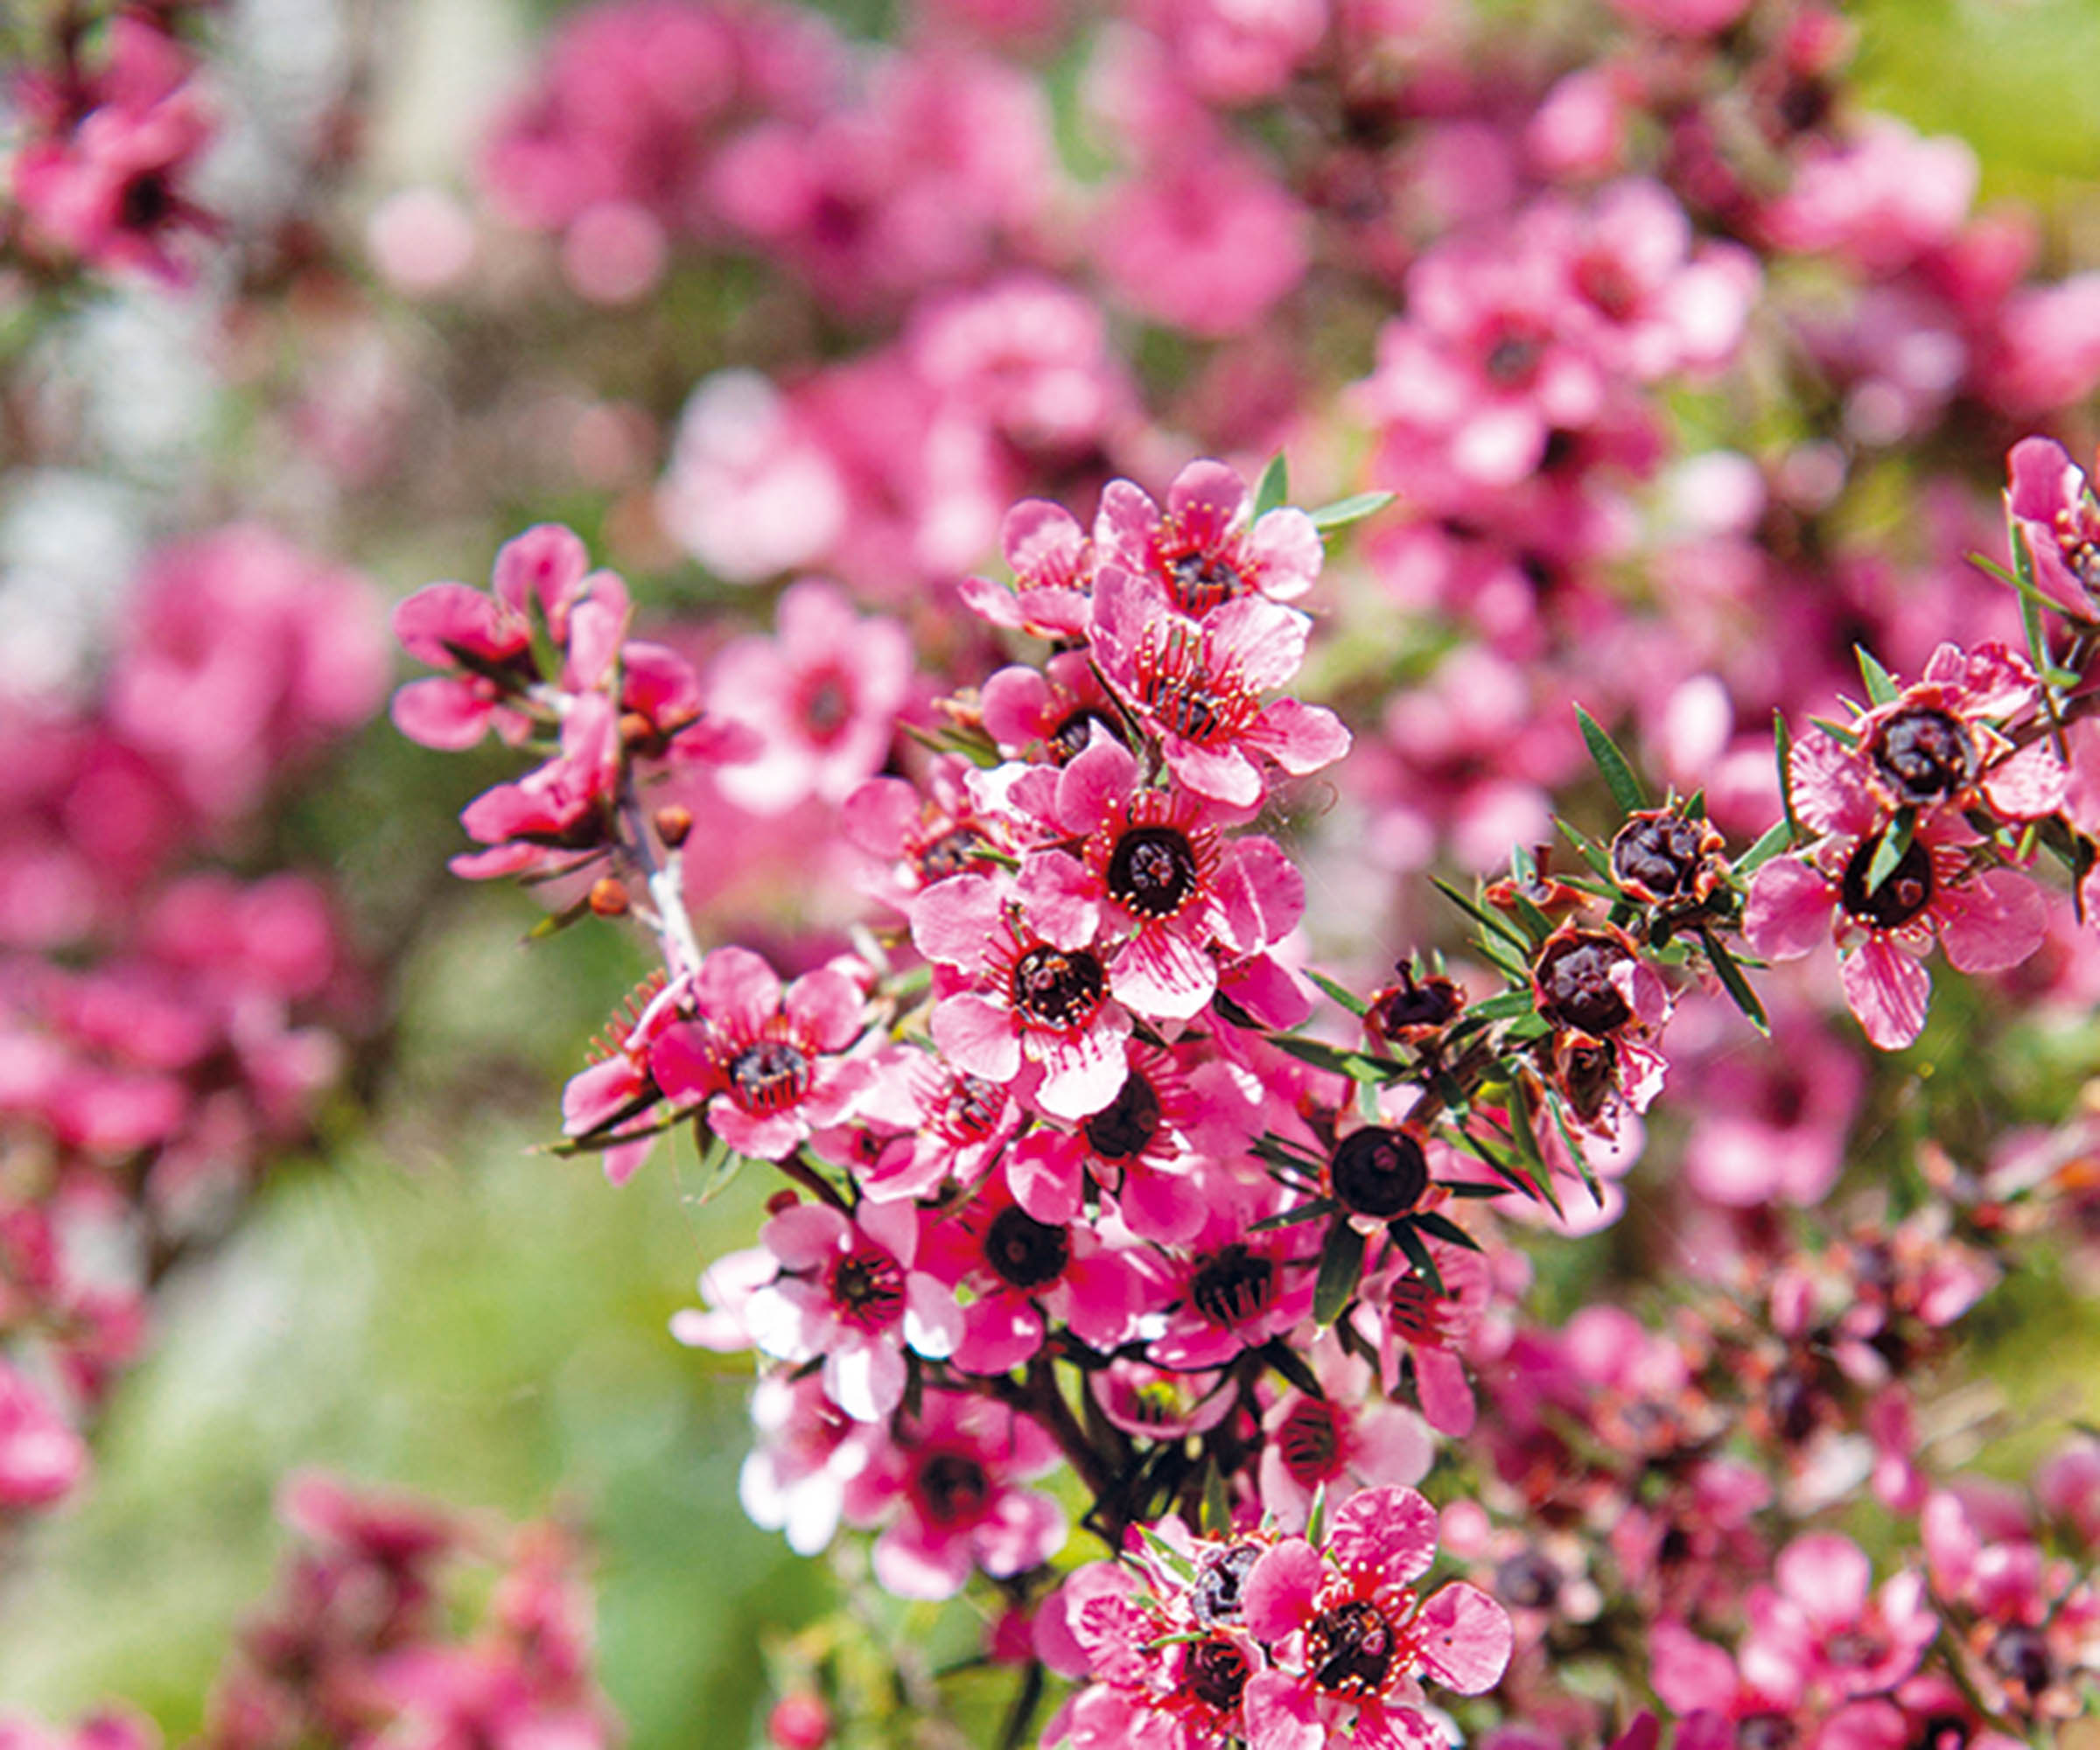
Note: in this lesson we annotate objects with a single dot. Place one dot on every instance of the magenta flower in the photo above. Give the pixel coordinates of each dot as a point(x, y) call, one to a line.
point(1233, 1295)
point(558, 814)
point(100, 174)
point(2052, 505)
point(1822, 1635)
point(822, 695)
point(1339, 1444)
point(1199, 684)
point(1023, 1276)
point(1352, 1637)
point(763, 1059)
point(41, 1457)
point(950, 1488)
point(1053, 564)
point(1986, 919)
point(1154, 869)
point(1205, 550)
point(1020, 998)
point(847, 1294)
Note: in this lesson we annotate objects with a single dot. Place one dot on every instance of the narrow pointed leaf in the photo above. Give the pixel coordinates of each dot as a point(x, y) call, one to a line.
point(1341, 1264)
point(1731, 975)
point(1345, 511)
point(1611, 765)
point(1274, 488)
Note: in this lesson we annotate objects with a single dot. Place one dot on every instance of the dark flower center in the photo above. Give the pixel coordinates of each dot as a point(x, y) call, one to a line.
point(1309, 1443)
point(1790, 1398)
point(1202, 581)
point(1925, 755)
point(867, 1290)
point(1153, 871)
point(2023, 1655)
point(1214, 1597)
point(1905, 893)
point(1124, 1127)
point(1512, 360)
point(953, 1487)
point(146, 203)
point(768, 1076)
point(1025, 1251)
point(1057, 989)
point(1233, 1285)
point(1072, 737)
point(1575, 988)
point(827, 707)
point(1764, 1731)
point(1214, 1672)
point(1528, 1580)
point(950, 853)
point(1854, 1649)
point(1658, 854)
point(1588, 1076)
point(1942, 1732)
point(1379, 1172)
point(1349, 1650)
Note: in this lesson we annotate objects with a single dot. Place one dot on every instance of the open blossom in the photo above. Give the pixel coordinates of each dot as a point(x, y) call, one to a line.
point(2052, 505)
point(1352, 1637)
point(1206, 546)
point(103, 172)
point(847, 1292)
point(1020, 998)
point(1987, 919)
point(763, 1058)
point(822, 696)
point(1199, 684)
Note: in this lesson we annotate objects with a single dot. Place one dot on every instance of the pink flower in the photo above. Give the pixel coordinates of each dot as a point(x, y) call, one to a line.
point(1821, 1633)
point(1020, 998)
point(847, 1293)
point(41, 1457)
point(822, 696)
point(2054, 509)
point(1363, 1636)
point(1199, 684)
point(1337, 1443)
point(1155, 872)
point(1986, 919)
point(1230, 1295)
point(102, 173)
point(952, 1482)
point(765, 1059)
point(1205, 550)
point(1053, 564)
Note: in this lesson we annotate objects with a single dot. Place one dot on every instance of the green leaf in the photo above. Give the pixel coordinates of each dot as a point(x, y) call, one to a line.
point(1418, 1254)
point(1894, 847)
point(1345, 511)
point(1775, 839)
point(1274, 488)
point(1506, 1007)
point(1782, 745)
point(1467, 1187)
point(1500, 926)
point(1731, 975)
point(1340, 993)
point(1447, 1229)
point(1592, 853)
point(1880, 684)
point(1217, 1505)
point(1611, 765)
point(1536, 924)
point(555, 922)
point(1316, 1520)
point(1340, 1264)
point(1317, 1052)
point(1287, 1361)
point(1837, 732)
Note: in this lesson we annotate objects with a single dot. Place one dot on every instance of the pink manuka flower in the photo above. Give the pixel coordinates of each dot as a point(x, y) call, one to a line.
point(949, 1484)
point(763, 1058)
point(1338, 1443)
point(1233, 1291)
point(2050, 503)
point(100, 174)
point(1048, 713)
point(1020, 998)
point(41, 1457)
point(822, 695)
point(846, 1292)
point(1936, 744)
point(1352, 1637)
point(1986, 919)
point(1153, 870)
point(1023, 1276)
point(1200, 684)
point(1206, 549)
point(1411, 1318)
point(1053, 564)
point(558, 814)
